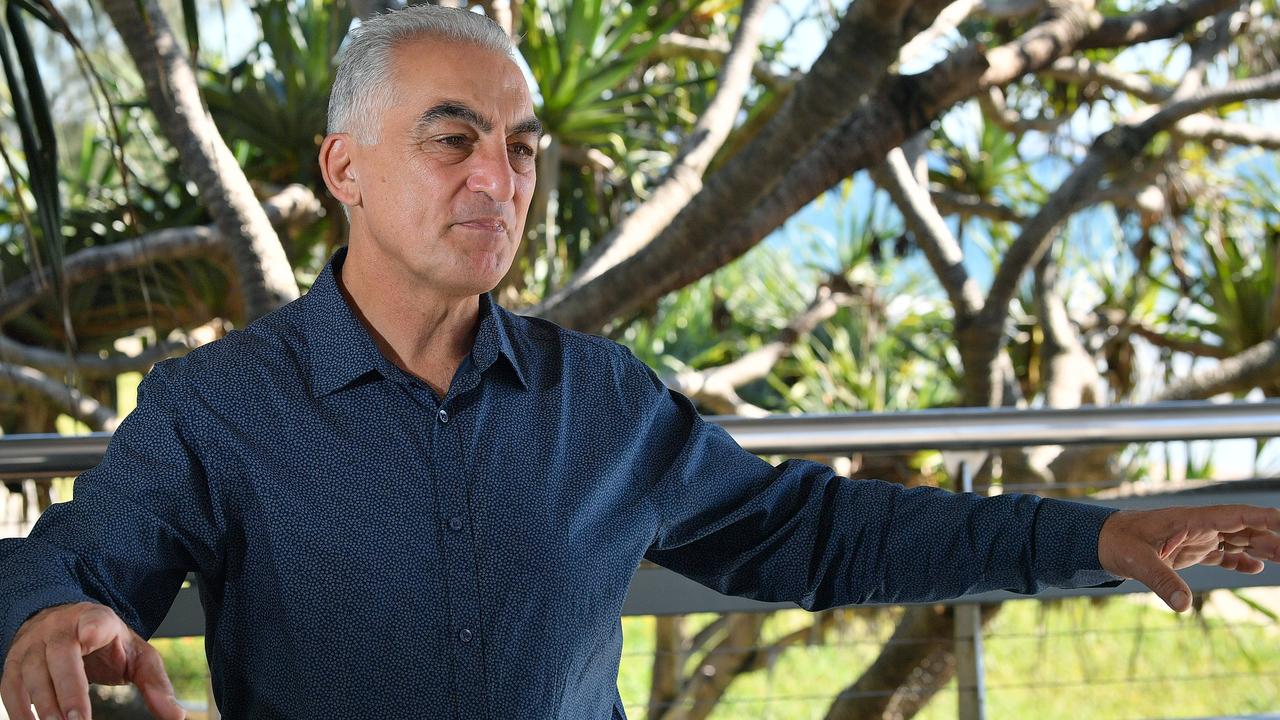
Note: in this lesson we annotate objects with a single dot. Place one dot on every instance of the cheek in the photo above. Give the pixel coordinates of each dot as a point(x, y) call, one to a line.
point(524, 189)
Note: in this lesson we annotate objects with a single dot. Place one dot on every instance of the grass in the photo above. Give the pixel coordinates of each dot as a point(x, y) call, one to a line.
point(1067, 659)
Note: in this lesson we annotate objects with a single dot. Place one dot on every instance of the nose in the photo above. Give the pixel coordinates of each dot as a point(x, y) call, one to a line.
point(491, 172)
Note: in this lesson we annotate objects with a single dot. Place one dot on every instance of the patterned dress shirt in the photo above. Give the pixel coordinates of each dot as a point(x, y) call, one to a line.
point(367, 549)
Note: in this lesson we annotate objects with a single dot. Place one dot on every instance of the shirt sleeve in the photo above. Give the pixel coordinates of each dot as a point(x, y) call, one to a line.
point(139, 521)
point(799, 532)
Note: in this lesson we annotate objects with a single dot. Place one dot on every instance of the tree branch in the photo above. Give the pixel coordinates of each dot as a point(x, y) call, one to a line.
point(717, 387)
point(1176, 344)
point(1203, 49)
point(1205, 129)
point(70, 400)
point(1256, 366)
point(89, 366)
point(1080, 71)
point(174, 96)
point(294, 206)
point(1157, 24)
point(589, 157)
point(684, 178)
point(719, 667)
point(1070, 372)
point(931, 233)
point(1041, 45)
point(844, 76)
point(997, 111)
point(1114, 148)
point(950, 202)
point(673, 45)
point(900, 107)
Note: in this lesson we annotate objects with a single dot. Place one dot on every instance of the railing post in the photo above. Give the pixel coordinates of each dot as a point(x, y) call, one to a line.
point(970, 677)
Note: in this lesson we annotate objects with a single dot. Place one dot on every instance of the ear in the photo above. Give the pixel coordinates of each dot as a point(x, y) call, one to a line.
point(338, 168)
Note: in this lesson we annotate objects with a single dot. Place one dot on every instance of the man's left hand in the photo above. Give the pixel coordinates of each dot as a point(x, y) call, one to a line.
point(1148, 545)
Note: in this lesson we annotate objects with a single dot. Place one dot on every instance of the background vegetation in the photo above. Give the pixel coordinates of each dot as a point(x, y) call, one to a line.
point(794, 207)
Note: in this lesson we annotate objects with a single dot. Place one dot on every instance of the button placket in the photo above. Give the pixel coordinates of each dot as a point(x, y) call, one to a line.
point(458, 550)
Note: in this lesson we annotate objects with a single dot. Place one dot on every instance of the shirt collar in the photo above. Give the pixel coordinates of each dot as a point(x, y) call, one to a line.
point(341, 350)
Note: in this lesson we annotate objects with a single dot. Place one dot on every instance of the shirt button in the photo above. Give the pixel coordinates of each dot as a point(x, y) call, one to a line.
point(455, 523)
point(443, 415)
point(464, 635)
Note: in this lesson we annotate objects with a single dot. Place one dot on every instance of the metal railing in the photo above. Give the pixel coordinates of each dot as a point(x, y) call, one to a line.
point(656, 591)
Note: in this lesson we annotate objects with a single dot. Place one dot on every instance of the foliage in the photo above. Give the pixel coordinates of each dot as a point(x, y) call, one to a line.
point(1168, 264)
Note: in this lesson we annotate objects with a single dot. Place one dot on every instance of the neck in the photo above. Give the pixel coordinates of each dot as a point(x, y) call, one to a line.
point(424, 331)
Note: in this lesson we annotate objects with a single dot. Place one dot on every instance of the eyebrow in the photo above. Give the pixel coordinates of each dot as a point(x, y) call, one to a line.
point(530, 126)
point(453, 110)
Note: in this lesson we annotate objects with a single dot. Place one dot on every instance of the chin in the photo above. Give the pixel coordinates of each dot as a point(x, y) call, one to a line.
point(472, 283)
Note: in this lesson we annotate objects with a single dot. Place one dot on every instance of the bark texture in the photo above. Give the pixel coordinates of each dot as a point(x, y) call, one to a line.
point(265, 275)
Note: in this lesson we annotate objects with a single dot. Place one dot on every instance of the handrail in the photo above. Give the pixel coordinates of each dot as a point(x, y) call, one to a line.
point(982, 428)
point(25, 456)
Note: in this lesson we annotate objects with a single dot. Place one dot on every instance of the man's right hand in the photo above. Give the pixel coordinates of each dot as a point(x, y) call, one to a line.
point(60, 650)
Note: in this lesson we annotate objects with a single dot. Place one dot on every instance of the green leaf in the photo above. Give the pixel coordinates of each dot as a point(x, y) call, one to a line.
point(191, 23)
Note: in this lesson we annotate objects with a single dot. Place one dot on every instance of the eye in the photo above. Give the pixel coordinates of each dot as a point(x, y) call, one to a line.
point(454, 141)
point(522, 150)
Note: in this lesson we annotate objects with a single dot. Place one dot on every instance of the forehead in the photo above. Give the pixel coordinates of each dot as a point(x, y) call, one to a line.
point(426, 71)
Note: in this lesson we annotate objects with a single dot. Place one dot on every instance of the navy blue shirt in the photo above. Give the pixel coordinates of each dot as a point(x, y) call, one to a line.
point(368, 549)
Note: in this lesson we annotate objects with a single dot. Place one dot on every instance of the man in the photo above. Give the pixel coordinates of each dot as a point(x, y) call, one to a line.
point(403, 501)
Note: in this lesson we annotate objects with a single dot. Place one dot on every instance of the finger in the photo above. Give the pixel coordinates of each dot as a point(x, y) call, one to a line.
point(1234, 518)
point(1152, 572)
point(35, 678)
point(1260, 544)
point(1243, 563)
point(16, 701)
point(1212, 558)
point(157, 691)
point(66, 666)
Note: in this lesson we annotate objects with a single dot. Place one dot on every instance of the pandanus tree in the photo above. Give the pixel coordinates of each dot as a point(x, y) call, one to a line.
point(1027, 196)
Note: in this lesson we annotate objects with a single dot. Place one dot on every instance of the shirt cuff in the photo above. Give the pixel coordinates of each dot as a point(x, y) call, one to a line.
point(1066, 544)
point(17, 610)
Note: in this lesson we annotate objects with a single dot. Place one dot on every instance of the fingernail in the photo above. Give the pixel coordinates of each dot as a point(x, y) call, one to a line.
point(73, 715)
point(1178, 599)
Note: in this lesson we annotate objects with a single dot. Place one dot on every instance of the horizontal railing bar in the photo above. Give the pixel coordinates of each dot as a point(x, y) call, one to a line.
point(980, 428)
point(25, 456)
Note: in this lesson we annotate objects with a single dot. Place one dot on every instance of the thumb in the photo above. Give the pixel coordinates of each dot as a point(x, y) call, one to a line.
point(153, 682)
point(1151, 571)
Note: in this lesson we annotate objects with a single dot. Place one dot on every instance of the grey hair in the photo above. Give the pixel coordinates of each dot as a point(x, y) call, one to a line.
point(362, 87)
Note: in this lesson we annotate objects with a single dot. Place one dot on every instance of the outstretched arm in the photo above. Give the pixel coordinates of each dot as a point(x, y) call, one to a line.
point(800, 532)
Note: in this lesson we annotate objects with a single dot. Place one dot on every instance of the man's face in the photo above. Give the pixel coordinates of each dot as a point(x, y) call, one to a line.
point(445, 190)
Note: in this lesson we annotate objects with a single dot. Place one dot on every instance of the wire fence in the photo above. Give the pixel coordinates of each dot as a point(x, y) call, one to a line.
point(1120, 658)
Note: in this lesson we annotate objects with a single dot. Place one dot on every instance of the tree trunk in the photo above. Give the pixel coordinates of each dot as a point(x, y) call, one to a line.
point(256, 253)
point(668, 663)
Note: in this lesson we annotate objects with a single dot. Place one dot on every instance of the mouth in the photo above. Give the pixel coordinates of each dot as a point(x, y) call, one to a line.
point(491, 225)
